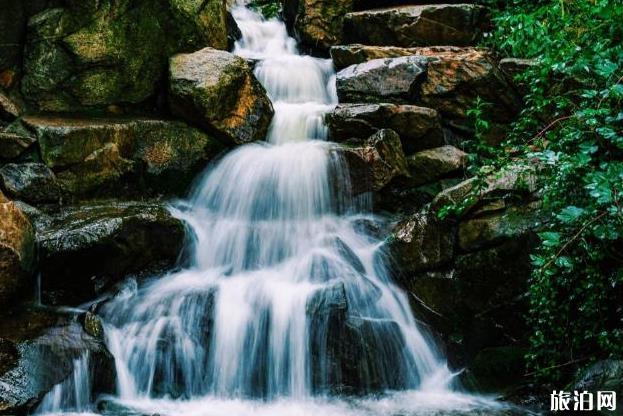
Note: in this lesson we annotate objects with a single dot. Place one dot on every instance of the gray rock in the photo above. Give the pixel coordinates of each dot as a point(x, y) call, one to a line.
point(395, 80)
point(218, 91)
point(432, 164)
point(30, 182)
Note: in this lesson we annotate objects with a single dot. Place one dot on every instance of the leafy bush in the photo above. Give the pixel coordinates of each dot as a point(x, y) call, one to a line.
point(573, 124)
point(268, 8)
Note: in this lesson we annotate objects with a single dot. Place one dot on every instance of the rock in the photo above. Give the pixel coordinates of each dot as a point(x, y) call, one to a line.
point(420, 242)
point(430, 165)
point(347, 55)
point(233, 32)
point(395, 80)
point(122, 156)
point(495, 369)
point(456, 77)
point(490, 229)
point(93, 325)
point(218, 91)
point(604, 375)
point(15, 140)
point(40, 349)
point(424, 25)
point(376, 163)
point(89, 55)
point(513, 67)
point(9, 111)
point(317, 24)
point(418, 127)
point(17, 251)
point(84, 248)
point(29, 182)
point(515, 179)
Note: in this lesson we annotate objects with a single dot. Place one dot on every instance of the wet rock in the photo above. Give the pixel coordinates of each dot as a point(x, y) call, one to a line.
point(430, 165)
point(94, 54)
point(29, 182)
point(37, 351)
point(317, 23)
point(418, 127)
point(604, 375)
point(233, 31)
point(489, 229)
point(376, 163)
point(347, 55)
point(424, 25)
point(117, 156)
point(218, 91)
point(421, 242)
point(17, 250)
point(9, 111)
point(93, 325)
point(85, 248)
point(513, 67)
point(395, 80)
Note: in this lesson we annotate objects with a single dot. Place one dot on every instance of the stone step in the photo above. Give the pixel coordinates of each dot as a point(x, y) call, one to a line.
point(417, 25)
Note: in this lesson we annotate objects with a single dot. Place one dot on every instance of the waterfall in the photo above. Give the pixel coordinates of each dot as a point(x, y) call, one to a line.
point(286, 302)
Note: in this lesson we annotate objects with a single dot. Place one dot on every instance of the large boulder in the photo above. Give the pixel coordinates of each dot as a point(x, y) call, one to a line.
point(418, 127)
point(449, 79)
point(122, 156)
point(91, 54)
point(29, 182)
point(85, 248)
point(395, 80)
point(421, 242)
point(17, 250)
point(434, 164)
point(375, 163)
point(424, 25)
point(38, 350)
point(15, 141)
point(217, 90)
point(317, 24)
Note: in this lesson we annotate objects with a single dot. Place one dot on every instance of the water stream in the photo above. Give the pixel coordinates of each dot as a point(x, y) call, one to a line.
point(286, 304)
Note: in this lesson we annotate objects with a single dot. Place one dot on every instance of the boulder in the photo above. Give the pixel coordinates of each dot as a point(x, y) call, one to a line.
point(347, 55)
point(122, 156)
point(418, 127)
point(433, 164)
point(17, 250)
point(487, 229)
point(29, 182)
point(395, 80)
point(317, 24)
point(420, 242)
point(513, 67)
point(9, 111)
point(217, 90)
point(374, 164)
point(604, 375)
point(88, 247)
point(91, 54)
point(38, 349)
point(424, 25)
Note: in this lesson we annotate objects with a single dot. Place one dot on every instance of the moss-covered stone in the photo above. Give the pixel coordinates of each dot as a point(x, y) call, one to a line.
point(93, 54)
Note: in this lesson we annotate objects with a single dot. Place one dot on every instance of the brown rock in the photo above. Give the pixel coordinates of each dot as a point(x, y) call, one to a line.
point(432, 164)
point(218, 91)
point(17, 247)
point(418, 127)
point(9, 111)
point(442, 24)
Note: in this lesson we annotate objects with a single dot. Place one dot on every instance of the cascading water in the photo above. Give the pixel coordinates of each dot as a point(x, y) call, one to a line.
point(286, 301)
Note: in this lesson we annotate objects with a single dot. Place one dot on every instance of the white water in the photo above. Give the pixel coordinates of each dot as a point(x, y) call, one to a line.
point(281, 255)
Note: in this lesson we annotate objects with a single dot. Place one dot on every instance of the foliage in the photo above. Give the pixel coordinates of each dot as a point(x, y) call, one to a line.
point(268, 8)
point(573, 124)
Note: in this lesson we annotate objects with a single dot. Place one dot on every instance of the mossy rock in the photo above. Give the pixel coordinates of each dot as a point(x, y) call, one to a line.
point(88, 55)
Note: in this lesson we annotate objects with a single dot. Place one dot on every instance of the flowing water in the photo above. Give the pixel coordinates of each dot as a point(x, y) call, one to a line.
point(286, 302)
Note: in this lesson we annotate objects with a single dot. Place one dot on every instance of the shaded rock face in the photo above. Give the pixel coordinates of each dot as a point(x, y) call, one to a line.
point(218, 91)
point(9, 111)
point(448, 79)
point(433, 164)
point(90, 54)
point(425, 25)
point(395, 80)
point(29, 182)
point(37, 351)
point(17, 250)
point(376, 163)
point(15, 141)
point(605, 375)
point(99, 157)
point(418, 127)
point(85, 248)
point(317, 24)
